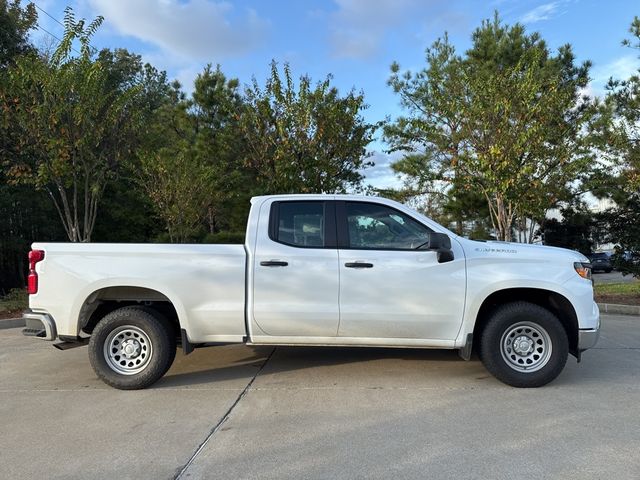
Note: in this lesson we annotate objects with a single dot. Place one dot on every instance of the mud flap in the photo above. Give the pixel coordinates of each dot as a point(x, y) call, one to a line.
point(465, 352)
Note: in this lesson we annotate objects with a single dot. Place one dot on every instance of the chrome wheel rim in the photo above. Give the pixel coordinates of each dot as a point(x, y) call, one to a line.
point(128, 350)
point(526, 347)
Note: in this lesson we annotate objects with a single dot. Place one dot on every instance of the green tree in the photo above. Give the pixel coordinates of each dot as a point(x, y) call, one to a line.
point(76, 128)
point(304, 139)
point(622, 134)
point(216, 107)
point(623, 229)
point(174, 177)
point(574, 231)
point(505, 120)
point(191, 167)
point(616, 135)
point(25, 214)
point(15, 24)
point(467, 211)
point(126, 212)
point(178, 184)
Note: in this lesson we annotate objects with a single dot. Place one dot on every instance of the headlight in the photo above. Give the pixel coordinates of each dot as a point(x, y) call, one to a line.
point(583, 269)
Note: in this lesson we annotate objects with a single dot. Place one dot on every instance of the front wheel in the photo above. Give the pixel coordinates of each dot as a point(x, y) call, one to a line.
point(524, 345)
point(132, 347)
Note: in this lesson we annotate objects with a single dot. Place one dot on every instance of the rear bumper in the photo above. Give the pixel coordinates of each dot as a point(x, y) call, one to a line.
point(39, 325)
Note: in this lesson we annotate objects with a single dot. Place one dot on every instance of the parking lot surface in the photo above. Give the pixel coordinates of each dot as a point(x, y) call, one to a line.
point(242, 412)
point(613, 277)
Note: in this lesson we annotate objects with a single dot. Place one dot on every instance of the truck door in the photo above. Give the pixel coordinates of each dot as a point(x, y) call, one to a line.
point(388, 288)
point(295, 270)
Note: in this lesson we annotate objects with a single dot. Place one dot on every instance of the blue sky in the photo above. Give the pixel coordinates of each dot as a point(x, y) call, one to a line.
point(354, 40)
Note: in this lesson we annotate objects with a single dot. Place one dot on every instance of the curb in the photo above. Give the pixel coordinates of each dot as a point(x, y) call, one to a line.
point(619, 309)
point(11, 323)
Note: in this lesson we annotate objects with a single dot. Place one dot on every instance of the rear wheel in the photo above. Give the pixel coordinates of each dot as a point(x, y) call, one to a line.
point(132, 347)
point(524, 345)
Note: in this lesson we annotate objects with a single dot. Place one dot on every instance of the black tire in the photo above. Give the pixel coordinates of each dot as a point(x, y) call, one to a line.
point(522, 336)
point(155, 347)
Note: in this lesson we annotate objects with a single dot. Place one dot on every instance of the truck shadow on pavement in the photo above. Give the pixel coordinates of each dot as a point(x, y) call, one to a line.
point(614, 361)
point(234, 365)
point(219, 365)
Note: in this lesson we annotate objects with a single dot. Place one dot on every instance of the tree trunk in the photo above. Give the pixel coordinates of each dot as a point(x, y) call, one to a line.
point(504, 220)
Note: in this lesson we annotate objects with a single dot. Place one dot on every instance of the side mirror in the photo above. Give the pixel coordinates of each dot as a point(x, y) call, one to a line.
point(444, 256)
point(438, 241)
point(441, 243)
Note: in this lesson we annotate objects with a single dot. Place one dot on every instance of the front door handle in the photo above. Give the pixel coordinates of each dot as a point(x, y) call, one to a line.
point(274, 263)
point(358, 265)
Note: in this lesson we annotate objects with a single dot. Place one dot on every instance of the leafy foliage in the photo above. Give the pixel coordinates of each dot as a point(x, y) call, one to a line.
point(15, 300)
point(209, 154)
point(306, 139)
point(173, 175)
point(15, 24)
point(491, 139)
point(623, 227)
point(190, 166)
point(616, 135)
point(574, 231)
point(505, 120)
point(76, 126)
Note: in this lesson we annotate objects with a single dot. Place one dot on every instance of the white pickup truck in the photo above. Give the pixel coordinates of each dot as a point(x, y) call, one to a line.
point(317, 270)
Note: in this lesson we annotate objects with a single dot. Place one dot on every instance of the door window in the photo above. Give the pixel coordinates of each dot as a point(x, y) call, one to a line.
point(378, 227)
point(299, 224)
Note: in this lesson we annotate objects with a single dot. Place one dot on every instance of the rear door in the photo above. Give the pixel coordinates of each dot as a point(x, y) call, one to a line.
point(388, 287)
point(296, 276)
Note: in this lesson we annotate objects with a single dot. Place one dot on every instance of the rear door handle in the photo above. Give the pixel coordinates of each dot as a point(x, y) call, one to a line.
point(358, 265)
point(274, 263)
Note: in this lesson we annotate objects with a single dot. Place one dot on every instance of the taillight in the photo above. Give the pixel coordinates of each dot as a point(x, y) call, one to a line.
point(35, 256)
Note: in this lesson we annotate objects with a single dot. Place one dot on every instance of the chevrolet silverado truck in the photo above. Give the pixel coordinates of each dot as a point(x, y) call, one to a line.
point(325, 270)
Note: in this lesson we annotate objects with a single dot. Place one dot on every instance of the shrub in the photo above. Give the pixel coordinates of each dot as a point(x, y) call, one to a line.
point(16, 299)
point(225, 237)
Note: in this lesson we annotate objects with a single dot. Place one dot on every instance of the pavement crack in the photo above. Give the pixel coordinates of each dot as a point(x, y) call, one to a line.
point(224, 418)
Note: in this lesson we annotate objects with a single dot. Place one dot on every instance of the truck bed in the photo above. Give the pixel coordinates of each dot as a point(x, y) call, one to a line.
point(205, 283)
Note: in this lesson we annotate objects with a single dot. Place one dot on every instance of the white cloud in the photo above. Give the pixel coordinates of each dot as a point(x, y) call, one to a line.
point(381, 175)
point(541, 12)
point(619, 69)
point(358, 26)
point(193, 30)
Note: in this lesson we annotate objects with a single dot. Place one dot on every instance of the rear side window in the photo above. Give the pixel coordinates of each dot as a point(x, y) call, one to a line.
point(299, 224)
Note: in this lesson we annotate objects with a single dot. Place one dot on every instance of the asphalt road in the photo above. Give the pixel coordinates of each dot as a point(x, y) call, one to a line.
point(612, 277)
point(239, 412)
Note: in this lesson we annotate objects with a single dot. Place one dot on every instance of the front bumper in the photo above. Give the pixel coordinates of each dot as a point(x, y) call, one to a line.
point(39, 325)
point(589, 329)
point(588, 338)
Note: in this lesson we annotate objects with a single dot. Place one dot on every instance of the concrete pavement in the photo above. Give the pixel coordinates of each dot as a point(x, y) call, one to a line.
point(226, 412)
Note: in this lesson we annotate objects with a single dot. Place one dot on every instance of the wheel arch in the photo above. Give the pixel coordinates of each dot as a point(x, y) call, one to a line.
point(553, 301)
point(106, 299)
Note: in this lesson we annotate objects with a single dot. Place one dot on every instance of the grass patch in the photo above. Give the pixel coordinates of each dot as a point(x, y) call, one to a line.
point(17, 299)
point(618, 293)
point(618, 288)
